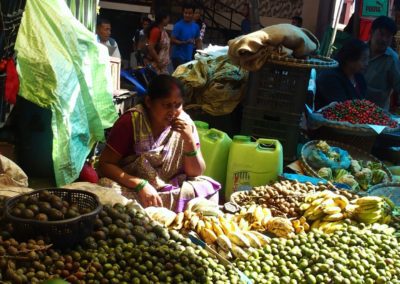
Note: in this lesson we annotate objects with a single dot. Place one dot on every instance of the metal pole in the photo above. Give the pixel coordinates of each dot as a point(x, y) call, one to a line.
point(335, 28)
point(254, 15)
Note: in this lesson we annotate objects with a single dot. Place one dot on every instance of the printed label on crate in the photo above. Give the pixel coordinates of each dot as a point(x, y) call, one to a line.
point(241, 181)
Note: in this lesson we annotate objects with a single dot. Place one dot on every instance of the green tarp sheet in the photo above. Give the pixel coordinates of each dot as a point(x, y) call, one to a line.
point(62, 67)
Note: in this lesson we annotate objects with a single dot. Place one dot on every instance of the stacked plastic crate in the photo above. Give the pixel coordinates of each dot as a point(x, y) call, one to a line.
point(276, 99)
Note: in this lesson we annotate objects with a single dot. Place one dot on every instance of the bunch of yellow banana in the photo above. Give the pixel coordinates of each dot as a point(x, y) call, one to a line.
point(325, 205)
point(300, 225)
point(254, 218)
point(371, 209)
point(281, 227)
point(222, 233)
point(328, 227)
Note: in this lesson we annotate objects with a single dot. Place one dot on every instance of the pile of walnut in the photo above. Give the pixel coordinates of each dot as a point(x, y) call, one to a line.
point(285, 197)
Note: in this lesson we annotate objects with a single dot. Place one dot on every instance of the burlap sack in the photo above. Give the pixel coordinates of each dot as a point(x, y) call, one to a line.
point(11, 174)
point(251, 51)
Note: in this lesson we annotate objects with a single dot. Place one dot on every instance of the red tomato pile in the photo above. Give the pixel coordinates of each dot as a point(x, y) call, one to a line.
point(359, 112)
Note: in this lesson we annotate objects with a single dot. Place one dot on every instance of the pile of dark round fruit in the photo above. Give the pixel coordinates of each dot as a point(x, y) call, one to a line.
point(125, 247)
point(46, 207)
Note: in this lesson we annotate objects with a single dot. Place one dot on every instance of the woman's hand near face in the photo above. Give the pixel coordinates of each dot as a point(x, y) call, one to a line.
point(149, 196)
point(194, 165)
point(184, 128)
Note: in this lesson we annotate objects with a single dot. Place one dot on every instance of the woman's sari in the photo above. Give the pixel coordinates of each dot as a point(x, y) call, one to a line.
point(160, 162)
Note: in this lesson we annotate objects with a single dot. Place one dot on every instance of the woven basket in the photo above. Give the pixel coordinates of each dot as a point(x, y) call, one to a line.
point(361, 140)
point(355, 153)
point(63, 233)
point(389, 190)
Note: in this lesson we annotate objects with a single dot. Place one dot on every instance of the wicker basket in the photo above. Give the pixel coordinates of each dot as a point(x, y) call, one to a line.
point(358, 135)
point(361, 140)
point(355, 153)
point(316, 61)
point(64, 233)
point(389, 190)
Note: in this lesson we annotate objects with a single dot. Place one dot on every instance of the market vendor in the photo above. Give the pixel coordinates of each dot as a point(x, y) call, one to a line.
point(153, 151)
point(345, 82)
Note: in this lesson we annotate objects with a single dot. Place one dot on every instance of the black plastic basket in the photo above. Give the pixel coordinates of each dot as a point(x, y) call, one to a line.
point(279, 88)
point(63, 233)
point(285, 127)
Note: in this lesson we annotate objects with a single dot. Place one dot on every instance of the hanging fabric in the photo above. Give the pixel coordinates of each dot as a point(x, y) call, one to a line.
point(67, 71)
point(85, 12)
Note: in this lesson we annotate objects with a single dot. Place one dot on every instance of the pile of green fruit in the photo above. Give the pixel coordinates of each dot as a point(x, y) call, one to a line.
point(358, 254)
point(125, 247)
point(46, 207)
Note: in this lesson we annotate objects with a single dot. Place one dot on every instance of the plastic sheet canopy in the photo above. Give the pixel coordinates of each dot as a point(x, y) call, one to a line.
point(62, 67)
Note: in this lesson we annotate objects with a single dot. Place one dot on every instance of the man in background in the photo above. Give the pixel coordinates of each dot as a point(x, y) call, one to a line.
point(185, 37)
point(103, 31)
point(383, 72)
point(297, 21)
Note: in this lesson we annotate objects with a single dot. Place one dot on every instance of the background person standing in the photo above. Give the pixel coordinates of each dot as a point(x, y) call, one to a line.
point(383, 72)
point(103, 31)
point(185, 37)
point(158, 43)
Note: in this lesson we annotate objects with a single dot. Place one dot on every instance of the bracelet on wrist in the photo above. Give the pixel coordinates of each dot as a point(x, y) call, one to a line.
point(192, 153)
point(140, 186)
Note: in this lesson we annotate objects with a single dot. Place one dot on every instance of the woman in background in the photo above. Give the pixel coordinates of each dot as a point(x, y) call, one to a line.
point(158, 43)
point(346, 82)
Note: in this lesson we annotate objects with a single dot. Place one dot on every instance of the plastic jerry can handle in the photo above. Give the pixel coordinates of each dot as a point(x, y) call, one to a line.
point(214, 135)
point(267, 144)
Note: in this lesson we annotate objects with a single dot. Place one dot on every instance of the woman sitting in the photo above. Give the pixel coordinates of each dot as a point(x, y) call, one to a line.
point(345, 82)
point(153, 151)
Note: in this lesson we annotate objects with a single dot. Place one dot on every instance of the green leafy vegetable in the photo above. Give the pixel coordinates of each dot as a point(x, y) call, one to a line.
point(349, 180)
point(364, 178)
point(325, 173)
point(355, 166)
point(379, 176)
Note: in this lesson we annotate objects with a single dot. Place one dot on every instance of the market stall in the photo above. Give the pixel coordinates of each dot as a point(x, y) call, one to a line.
point(333, 219)
point(287, 232)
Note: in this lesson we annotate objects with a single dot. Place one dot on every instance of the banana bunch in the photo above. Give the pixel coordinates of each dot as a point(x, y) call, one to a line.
point(329, 227)
point(222, 233)
point(281, 227)
point(259, 218)
point(325, 206)
point(300, 225)
point(254, 218)
point(371, 209)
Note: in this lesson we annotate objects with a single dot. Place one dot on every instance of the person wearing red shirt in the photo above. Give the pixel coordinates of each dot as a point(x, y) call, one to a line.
point(158, 43)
